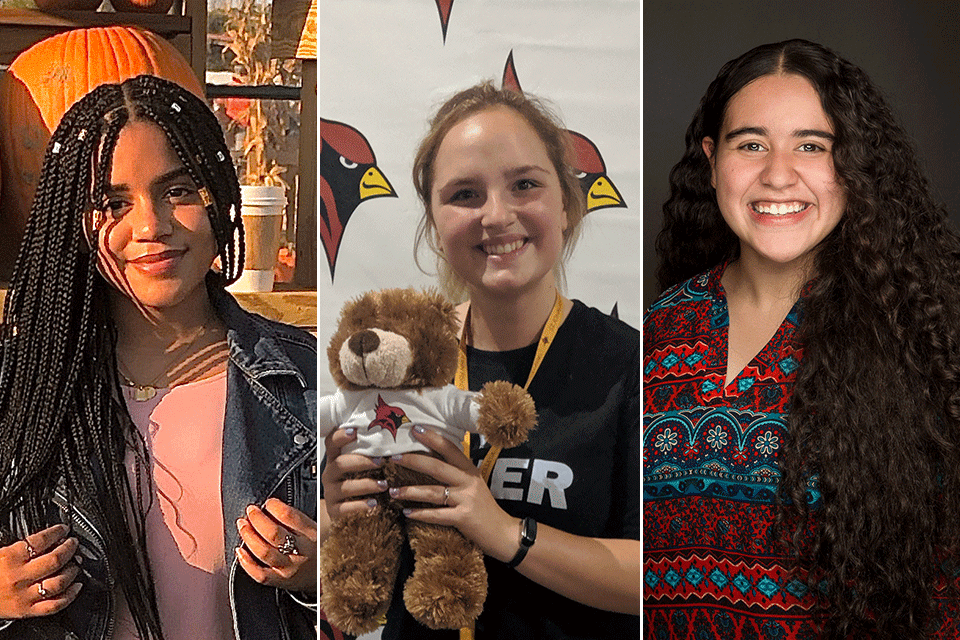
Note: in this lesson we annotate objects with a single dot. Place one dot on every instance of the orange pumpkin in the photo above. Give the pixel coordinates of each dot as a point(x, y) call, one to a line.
point(43, 82)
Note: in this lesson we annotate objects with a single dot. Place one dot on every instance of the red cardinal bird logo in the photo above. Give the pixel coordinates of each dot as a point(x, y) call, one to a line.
point(597, 186)
point(444, 7)
point(348, 176)
point(388, 417)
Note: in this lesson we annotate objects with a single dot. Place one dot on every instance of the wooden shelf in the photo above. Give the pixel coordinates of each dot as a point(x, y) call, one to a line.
point(162, 24)
point(293, 307)
point(298, 308)
point(22, 28)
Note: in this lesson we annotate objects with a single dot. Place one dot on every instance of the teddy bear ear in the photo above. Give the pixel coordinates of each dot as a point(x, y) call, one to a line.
point(365, 306)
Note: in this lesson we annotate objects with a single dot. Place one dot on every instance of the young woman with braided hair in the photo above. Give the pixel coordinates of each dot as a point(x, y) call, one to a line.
point(802, 368)
point(148, 425)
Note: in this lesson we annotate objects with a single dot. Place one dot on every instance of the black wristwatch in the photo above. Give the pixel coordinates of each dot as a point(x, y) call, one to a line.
point(528, 535)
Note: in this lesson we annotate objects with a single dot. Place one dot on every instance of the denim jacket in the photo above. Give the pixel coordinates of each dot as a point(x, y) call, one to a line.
point(270, 449)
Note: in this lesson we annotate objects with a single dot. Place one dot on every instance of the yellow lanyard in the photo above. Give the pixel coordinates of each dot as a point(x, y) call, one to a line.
point(546, 339)
point(461, 380)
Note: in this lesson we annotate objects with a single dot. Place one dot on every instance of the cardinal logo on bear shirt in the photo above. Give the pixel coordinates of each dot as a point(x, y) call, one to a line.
point(388, 417)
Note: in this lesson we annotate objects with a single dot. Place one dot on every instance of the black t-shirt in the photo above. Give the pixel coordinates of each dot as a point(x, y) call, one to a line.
point(578, 472)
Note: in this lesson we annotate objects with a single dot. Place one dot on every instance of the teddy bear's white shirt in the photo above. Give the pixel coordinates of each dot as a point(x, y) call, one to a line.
point(378, 415)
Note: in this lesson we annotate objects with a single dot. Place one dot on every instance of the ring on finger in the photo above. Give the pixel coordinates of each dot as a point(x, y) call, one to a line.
point(446, 495)
point(289, 546)
point(43, 592)
point(31, 552)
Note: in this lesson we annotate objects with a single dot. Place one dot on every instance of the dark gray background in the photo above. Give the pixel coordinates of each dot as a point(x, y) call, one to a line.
point(910, 49)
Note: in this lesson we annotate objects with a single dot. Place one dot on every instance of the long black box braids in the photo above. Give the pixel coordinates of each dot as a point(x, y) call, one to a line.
point(63, 421)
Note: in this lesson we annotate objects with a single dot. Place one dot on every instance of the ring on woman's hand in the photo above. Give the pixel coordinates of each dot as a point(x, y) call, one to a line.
point(446, 495)
point(289, 546)
point(43, 592)
point(31, 552)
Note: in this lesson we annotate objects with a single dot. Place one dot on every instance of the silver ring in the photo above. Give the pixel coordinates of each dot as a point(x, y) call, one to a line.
point(31, 552)
point(43, 592)
point(289, 546)
point(446, 495)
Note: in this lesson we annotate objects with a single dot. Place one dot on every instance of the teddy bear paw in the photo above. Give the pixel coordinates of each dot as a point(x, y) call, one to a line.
point(449, 597)
point(357, 615)
point(506, 415)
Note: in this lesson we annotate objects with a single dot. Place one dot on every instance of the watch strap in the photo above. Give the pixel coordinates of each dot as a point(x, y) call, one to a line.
point(528, 535)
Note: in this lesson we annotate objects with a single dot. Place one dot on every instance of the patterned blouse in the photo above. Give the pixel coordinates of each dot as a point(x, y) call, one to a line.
point(711, 568)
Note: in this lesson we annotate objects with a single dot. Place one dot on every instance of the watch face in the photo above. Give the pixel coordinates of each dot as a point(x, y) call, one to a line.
point(529, 533)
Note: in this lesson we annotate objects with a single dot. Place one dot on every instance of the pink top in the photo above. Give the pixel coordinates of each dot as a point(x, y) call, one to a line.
point(183, 430)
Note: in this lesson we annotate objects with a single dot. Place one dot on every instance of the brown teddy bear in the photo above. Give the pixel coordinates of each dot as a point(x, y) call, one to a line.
point(392, 357)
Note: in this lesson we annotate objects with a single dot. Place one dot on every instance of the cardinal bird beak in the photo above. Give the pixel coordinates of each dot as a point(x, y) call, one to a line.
point(374, 184)
point(603, 193)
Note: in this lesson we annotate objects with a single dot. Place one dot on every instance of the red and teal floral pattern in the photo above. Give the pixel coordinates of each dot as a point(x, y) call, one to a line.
point(711, 567)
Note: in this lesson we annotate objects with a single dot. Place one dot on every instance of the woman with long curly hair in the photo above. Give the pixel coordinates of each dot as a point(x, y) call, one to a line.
point(157, 442)
point(801, 368)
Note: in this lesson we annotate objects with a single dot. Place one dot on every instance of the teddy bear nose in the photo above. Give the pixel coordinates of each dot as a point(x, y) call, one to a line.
point(364, 342)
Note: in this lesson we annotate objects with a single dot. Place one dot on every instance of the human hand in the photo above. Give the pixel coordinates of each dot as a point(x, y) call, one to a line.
point(462, 497)
point(37, 575)
point(343, 494)
point(279, 546)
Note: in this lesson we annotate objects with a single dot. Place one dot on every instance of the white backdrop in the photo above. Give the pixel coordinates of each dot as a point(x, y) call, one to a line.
point(384, 67)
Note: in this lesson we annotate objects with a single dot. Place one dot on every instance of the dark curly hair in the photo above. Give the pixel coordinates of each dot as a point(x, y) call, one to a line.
point(63, 422)
point(875, 413)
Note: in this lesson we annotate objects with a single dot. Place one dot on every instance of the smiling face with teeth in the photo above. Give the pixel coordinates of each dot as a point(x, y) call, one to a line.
point(497, 205)
point(772, 168)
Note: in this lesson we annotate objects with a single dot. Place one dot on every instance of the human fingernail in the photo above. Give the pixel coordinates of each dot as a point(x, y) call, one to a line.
point(78, 559)
point(351, 431)
point(240, 523)
point(419, 429)
point(382, 484)
point(407, 512)
point(372, 502)
point(394, 492)
point(397, 458)
point(251, 508)
point(377, 461)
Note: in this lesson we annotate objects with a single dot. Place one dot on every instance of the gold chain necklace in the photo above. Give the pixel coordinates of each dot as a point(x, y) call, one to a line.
point(145, 392)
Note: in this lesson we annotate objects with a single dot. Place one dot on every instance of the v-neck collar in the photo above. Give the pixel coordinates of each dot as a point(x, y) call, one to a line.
point(720, 323)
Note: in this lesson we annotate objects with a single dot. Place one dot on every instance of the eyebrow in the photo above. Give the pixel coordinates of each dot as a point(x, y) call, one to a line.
point(525, 168)
point(762, 131)
point(166, 177)
point(455, 184)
